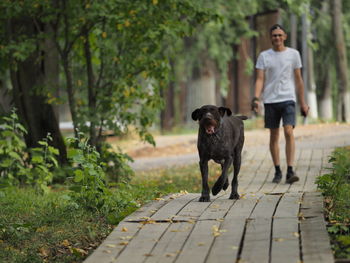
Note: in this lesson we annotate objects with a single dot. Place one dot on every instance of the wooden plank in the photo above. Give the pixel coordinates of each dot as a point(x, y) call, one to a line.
point(259, 161)
point(256, 247)
point(112, 246)
point(261, 177)
point(171, 243)
point(226, 246)
point(257, 240)
point(314, 171)
point(148, 209)
point(314, 236)
point(170, 209)
point(197, 246)
point(266, 206)
point(285, 246)
point(301, 170)
point(217, 209)
point(289, 205)
point(138, 249)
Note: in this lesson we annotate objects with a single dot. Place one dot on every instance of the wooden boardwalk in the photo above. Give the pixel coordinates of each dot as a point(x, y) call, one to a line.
point(270, 223)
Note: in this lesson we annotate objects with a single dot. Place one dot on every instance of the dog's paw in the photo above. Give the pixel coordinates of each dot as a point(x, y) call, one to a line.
point(234, 196)
point(226, 184)
point(204, 199)
point(217, 187)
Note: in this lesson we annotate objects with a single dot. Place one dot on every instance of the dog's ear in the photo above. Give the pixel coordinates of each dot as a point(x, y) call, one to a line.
point(196, 114)
point(222, 111)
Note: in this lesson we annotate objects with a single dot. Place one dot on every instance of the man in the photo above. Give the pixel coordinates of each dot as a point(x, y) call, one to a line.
point(278, 79)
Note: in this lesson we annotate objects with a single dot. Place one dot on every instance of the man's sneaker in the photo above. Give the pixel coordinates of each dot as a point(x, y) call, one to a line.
point(277, 178)
point(291, 178)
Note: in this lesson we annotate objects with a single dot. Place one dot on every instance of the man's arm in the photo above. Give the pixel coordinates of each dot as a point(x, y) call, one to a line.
point(300, 91)
point(259, 85)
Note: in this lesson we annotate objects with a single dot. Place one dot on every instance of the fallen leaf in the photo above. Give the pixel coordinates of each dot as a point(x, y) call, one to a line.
point(124, 243)
point(126, 237)
point(278, 239)
point(65, 243)
point(124, 229)
point(110, 245)
point(79, 251)
point(107, 251)
point(148, 255)
point(296, 234)
point(42, 229)
point(200, 244)
point(44, 252)
point(170, 255)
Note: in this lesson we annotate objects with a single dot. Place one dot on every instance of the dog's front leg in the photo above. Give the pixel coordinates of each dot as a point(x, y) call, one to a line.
point(219, 184)
point(205, 197)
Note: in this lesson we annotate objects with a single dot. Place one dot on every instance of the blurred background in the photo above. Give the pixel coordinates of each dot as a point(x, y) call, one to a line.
point(111, 67)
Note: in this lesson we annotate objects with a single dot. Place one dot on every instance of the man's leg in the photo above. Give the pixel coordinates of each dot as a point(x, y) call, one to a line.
point(275, 153)
point(288, 117)
point(290, 144)
point(274, 146)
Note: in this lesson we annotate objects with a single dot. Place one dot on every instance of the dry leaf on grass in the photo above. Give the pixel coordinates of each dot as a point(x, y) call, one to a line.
point(44, 252)
point(65, 243)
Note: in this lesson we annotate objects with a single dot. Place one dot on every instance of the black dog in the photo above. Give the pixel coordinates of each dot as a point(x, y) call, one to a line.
point(220, 138)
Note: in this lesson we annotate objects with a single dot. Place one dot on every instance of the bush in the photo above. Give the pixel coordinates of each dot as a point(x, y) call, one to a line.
point(20, 166)
point(335, 186)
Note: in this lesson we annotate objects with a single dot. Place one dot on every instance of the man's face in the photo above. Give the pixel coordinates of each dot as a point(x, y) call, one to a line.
point(278, 37)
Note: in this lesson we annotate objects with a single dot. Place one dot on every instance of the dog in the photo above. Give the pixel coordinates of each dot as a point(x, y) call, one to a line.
point(220, 138)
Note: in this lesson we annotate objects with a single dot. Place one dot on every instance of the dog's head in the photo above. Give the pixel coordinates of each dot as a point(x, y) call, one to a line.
point(209, 117)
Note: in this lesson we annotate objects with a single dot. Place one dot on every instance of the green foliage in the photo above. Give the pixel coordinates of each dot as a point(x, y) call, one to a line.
point(89, 188)
point(13, 155)
point(335, 186)
point(20, 166)
point(116, 164)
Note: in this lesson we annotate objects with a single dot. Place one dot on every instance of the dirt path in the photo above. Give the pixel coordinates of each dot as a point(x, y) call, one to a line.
point(182, 149)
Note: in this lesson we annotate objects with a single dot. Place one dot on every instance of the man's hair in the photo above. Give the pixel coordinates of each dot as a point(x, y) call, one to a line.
point(277, 26)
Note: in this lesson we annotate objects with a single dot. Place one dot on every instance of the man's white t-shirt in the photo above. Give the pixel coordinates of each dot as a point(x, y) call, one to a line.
point(279, 69)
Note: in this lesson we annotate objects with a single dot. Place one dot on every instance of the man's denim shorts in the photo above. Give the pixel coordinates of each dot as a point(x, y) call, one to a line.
point(274, 112)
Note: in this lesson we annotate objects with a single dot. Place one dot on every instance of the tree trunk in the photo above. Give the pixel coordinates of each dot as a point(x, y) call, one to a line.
point(167, 115)
point(201, 88)
point(70, 91)
point(341, 62)
point(326, 107)
point(27, 81)
point(91, 89)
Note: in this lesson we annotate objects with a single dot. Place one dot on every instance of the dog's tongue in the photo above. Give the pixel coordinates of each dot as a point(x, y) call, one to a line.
point(210, 129)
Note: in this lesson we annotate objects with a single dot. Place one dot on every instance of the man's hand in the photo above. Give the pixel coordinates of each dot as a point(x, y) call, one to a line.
point(304, 110)
point(255, 104)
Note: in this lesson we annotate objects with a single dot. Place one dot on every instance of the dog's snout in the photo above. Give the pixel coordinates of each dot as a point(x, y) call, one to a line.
point(208, 115)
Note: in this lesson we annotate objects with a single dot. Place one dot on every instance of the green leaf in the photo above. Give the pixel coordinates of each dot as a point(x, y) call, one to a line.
point(79, 176)
point(53, 150)
point(37, 159)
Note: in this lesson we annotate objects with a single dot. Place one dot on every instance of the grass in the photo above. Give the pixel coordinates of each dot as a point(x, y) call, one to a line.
point(51, 228)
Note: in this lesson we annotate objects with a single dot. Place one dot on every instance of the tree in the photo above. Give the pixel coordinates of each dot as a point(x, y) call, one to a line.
point(111, 52)
point(341, 62)
point(24, 55)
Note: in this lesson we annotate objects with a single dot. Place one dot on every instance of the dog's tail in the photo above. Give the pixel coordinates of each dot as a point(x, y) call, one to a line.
point(242, 117)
